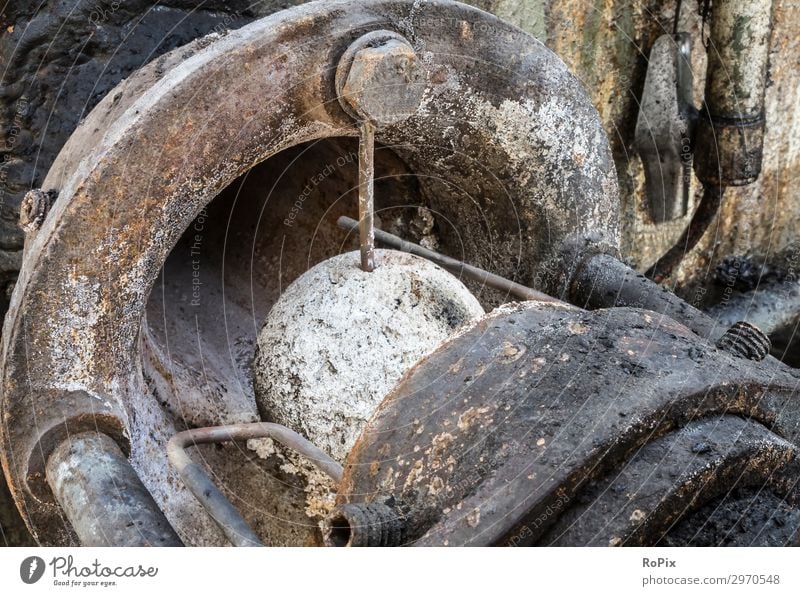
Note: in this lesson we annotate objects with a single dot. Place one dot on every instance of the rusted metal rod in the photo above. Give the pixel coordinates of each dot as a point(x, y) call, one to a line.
point(366, 195)
point(452, 265)
point(103, 497)
point(233, 525)
point(603, 281)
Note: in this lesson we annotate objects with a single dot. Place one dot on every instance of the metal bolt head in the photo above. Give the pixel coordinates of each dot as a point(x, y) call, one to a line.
point(380, 79)
point(34, 209)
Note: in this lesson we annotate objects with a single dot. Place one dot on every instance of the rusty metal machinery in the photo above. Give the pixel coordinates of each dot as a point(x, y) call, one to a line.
point(521, 431)
point(602, 409)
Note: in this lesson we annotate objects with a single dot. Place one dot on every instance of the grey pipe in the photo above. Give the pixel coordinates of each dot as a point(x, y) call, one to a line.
point(103, 497)
point(730, 133)
point(454, 266)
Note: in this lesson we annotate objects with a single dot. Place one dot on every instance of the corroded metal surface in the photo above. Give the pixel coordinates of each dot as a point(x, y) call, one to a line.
point(730, 135)
point(670, 476)
point(605, 46)
point(494, 436)
point(520, 136)
point(379, 78)
point(103, 499)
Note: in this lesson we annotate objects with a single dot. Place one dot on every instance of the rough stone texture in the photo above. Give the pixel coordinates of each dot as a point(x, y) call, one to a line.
point(338, 339)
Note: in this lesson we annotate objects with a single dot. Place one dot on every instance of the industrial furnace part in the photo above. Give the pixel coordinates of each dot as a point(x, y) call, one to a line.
point(196, 478)
point(526, 152)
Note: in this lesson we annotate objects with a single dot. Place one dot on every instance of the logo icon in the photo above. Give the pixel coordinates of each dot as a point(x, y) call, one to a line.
point(31, 570)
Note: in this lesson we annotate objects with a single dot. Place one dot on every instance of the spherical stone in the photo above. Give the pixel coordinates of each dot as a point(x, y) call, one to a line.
point(339, 338)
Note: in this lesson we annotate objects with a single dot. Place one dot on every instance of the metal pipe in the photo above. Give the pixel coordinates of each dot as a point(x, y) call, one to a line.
point(103, 497)
point(203, 488)
point(604, 282)
point(452, 265)
point(730, 134)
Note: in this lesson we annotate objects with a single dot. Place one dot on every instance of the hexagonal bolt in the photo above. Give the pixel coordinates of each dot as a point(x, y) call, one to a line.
point(380, 79)
point(380, 82)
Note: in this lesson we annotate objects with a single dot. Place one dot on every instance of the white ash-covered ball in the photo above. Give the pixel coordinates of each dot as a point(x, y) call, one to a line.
point(339, 338)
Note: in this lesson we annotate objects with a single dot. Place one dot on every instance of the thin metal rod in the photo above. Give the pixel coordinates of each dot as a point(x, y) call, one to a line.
point(366, 195)
point(203, 488)
point(452, 265)
point(676, 21)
